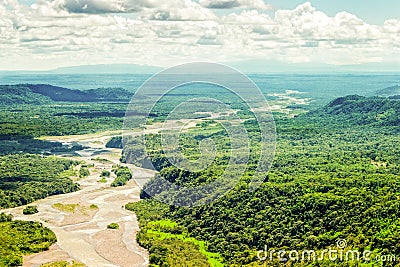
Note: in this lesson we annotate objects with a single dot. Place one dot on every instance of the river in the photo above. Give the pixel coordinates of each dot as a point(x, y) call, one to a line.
point(83, 235)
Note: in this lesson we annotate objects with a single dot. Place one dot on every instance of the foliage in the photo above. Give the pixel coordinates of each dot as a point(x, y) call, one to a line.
point(76, 208)
point(84, 172)
point(26, 178)
point(124, 174)
point(43, 93)
point(20, 94)
point(105, 173)
point(63, 264)
point(101, 160)
point(102, 180)
point(27, 121)
point(168, 243)
point(66, 207)
point(28, 111)
point(29, 210)
point(377, 111)
point(22, 144)
point(5, 217)
point(115, 142)
point(389, 91)
point(113, 226)
point(335, 175)
point(20, 238)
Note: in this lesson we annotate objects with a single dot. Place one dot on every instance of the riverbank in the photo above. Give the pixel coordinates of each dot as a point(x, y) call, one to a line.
point(83, 236)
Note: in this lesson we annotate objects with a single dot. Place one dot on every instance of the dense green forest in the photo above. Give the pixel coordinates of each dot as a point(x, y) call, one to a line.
point(61, 119)
point(31, 111)
point(20, 238)
point(168, 243)
point(45, 94)
point(21, 125)
point(358, 110)
point(335, 176)
point(27, 113)
point(14, 95)
point(26, 178)
point(10, 144)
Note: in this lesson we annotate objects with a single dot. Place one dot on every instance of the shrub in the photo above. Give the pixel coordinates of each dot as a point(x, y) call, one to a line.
point(63, 264)
point(84, 172)
point(102, 180)
point(123, 176)
point(5, 217)
point(113, 226)
point(105, 173)
point(29, 210)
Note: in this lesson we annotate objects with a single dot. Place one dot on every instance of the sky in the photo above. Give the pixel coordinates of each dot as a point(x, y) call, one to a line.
point(370, 11)
point(47, 34)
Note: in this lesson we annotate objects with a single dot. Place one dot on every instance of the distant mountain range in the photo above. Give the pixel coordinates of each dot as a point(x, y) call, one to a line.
point(389, 91)
point(268, 66)
point(95, 69)
point(107, 69)
point(43, 93)
point(249, 66)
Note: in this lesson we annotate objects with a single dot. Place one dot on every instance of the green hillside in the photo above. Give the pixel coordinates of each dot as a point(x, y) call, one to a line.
point(335, 176)
point(20, 94)
point(389, 91)
point(43, 93)
point(359, 110)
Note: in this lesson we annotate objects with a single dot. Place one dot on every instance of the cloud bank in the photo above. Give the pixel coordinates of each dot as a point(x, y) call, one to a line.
point(229, 4)
point(57, 33)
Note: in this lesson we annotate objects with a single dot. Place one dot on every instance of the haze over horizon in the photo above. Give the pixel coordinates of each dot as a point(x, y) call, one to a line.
point(49, 34)
point(248, 67)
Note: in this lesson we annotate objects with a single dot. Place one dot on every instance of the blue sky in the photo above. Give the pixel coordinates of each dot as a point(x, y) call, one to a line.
point(371, 11)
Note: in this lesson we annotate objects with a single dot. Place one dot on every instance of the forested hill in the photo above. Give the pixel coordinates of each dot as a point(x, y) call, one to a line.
point(389, 91)
point(361, 110)
point(19, 94)
point(335, 176)
point(42, 93)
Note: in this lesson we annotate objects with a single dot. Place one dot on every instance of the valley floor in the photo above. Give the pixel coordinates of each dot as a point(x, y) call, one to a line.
point(82, 234)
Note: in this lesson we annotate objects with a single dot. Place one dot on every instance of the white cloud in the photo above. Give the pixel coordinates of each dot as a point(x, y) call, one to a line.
point(181, 10)
point(229, 4)
point(163, 33)
point(101, 6)
point(392, 26)
point(156, 9)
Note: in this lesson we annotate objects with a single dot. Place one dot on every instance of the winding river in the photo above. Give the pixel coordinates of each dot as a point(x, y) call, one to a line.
point(83, 235)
